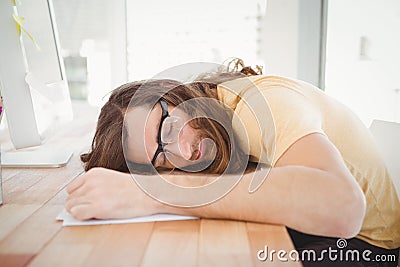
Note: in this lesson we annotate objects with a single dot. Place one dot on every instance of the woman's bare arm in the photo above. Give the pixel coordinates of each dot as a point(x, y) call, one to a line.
point(309, 190)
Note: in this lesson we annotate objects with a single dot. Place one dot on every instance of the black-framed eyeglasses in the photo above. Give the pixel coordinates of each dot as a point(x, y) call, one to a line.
point(161, 144)
point(168, 130)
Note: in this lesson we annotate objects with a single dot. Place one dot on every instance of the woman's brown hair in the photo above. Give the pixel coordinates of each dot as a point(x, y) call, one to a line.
point(108, 145)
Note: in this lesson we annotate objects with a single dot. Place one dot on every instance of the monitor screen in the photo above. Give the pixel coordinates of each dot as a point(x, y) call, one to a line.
point(32, 74)
point(32, 77)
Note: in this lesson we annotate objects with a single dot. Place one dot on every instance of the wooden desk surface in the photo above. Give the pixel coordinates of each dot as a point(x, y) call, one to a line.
point(30, 235)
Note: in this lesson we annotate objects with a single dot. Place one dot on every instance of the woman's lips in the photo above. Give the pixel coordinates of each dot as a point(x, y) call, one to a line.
point(200, 151)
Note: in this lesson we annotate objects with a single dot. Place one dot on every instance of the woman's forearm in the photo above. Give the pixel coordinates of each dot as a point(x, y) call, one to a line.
point(306, 199)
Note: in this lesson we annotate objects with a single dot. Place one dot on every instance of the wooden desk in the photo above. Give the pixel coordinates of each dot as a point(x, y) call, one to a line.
point(30, 235)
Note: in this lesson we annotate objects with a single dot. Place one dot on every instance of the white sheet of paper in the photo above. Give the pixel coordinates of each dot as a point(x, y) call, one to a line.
point(68, 220)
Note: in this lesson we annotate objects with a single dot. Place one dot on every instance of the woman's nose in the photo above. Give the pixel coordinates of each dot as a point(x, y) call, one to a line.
point(182, 147)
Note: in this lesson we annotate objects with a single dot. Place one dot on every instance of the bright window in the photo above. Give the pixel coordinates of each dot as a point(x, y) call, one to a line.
point(163, 34)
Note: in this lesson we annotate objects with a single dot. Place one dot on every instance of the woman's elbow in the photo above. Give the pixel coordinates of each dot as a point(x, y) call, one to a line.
point(351, 217)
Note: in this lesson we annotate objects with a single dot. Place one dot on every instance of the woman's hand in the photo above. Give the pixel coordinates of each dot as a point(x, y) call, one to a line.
point(104, 194)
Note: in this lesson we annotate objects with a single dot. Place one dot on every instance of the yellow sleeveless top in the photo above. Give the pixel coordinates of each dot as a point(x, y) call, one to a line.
point(298, 109)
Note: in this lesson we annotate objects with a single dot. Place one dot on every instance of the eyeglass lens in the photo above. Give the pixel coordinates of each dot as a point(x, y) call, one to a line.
point(170, 129)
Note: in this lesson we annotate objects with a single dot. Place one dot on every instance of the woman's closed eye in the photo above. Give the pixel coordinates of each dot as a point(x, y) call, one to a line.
point(169, 129)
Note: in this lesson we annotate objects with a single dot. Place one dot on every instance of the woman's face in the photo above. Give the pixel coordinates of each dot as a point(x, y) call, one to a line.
point(183, 145)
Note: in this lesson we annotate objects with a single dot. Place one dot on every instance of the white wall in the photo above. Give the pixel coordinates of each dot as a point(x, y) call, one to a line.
point(363, 57)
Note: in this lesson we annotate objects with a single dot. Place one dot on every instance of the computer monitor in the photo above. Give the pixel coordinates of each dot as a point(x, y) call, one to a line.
point(32, 82)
